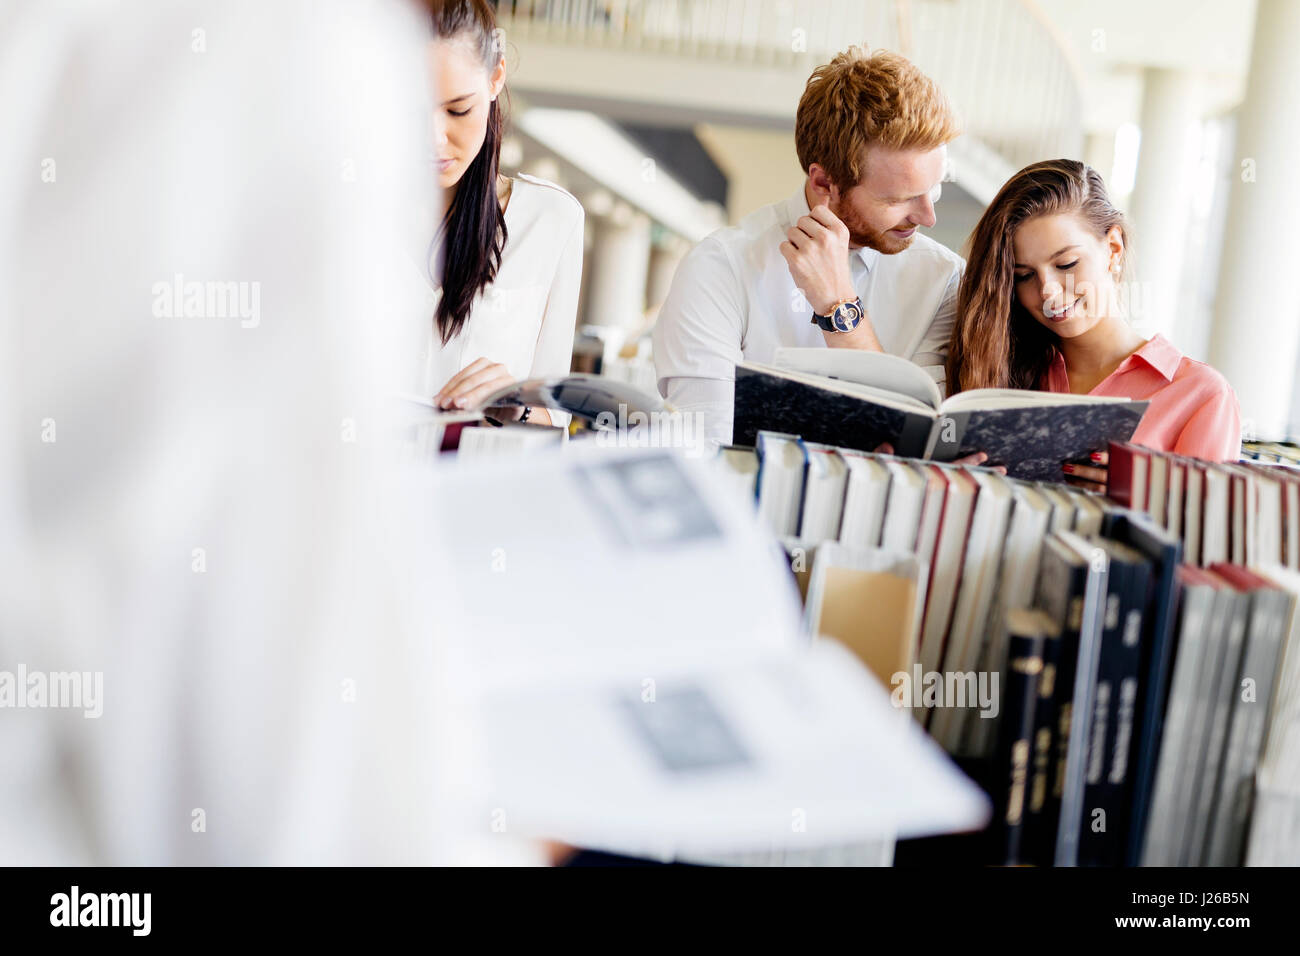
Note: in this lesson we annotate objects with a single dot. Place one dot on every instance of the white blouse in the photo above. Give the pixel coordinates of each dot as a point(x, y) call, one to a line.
point(525, 319)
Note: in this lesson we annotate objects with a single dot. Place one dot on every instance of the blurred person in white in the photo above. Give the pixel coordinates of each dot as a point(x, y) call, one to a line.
point(841, 263)
point(199, 317)
point(506, 260)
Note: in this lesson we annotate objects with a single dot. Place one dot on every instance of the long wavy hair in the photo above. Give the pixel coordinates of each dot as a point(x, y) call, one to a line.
point(475, 229)
point(995, 342)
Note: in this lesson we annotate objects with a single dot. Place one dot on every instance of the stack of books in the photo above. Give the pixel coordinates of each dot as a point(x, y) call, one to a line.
point(1123, 676)
point(1084, 688)
point(1143, 749)
point(976, 535)
point(1277, 452)
point(1245, 513)
point(1232, 628)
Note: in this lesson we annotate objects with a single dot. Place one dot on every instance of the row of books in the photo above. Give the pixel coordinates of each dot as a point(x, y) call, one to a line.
point(1277, 452)
point(977, 536)
point(1147, 709)
point(470, 435)
point(1139, 697)
point(1245, 513)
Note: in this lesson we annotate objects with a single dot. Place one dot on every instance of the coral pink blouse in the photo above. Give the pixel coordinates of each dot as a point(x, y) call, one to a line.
point(1193, 409)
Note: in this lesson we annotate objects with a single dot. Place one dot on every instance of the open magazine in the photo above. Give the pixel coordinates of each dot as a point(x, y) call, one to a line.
point(634, 653)
point(857, 399)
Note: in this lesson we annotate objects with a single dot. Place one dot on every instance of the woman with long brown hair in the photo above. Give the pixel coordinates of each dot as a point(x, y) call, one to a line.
point(506, 261)
point(1042, 306)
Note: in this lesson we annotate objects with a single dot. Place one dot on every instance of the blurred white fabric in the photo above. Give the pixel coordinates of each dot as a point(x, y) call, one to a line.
point(197, 505)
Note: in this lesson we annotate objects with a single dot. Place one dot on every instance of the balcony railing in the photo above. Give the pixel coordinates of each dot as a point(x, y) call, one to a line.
point(1000, 62)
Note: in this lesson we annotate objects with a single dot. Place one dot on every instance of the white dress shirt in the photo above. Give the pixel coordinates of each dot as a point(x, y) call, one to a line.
point(733, 299)
point(525, 319)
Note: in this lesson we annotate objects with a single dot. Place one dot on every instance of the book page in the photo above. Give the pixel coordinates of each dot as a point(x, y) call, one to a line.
point(1020, 398)
point(877, 370)
point(880, 396)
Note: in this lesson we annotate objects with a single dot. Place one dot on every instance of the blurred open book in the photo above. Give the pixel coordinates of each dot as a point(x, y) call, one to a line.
point(631, 638)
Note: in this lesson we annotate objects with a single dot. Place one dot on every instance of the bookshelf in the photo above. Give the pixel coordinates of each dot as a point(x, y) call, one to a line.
point(1166, 667)
point(1165, 690)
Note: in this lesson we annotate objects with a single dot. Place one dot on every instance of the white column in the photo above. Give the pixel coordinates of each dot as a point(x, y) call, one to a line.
point(1256, 320)
point(620, 259)
point(1171, 109)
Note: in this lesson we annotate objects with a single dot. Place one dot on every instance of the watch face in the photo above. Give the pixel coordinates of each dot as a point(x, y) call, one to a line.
point(846, 317)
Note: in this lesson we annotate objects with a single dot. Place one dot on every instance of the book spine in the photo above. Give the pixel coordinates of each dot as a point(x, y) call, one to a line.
point(1245, 731)
point(1060, 740)
point(1020, 696)
point(1065, 672)
point(1052, 722)
point(1158, 845)
point(1112, 746)
point(1237, 505)
point(1094, 828)
point(1035, 839)
point(1222, 689)
point(1162, 610)
point(1075, 735)
point(1119, 474)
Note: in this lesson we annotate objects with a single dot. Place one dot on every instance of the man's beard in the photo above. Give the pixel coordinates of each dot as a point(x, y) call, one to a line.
point(860, 234)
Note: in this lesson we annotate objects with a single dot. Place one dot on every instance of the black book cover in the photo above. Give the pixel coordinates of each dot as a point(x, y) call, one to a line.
point(1036, 841)
point(1062, 583)
point(1014, 760)
point(1111, 742)
point(771, 403)
point(1164, 552)
point(1033, 442)
point(1059, 757)
point(1078, 682)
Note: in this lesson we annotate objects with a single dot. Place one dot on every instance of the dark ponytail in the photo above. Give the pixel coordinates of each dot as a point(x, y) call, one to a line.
point(476, 226)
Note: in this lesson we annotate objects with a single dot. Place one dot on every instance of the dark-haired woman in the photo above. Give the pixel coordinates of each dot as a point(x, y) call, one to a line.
point(1041, 306)
point(507, 258)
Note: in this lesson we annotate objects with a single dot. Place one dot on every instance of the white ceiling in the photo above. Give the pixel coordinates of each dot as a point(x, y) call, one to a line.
point(1113, 40)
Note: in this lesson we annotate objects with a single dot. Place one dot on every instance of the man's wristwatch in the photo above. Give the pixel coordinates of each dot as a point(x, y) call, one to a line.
point(843, 317)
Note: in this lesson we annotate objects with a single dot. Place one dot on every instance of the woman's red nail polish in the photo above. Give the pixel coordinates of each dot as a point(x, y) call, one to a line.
point(1095, 456)
point(1068, 468)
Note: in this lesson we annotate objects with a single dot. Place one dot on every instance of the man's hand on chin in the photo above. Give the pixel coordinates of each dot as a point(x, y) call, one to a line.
point(816, 251)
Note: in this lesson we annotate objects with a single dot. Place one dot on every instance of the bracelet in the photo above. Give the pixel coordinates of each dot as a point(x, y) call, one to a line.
point(527, 411)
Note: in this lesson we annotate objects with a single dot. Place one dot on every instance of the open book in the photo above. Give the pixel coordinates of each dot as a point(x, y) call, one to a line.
point(672, 729)
point(597, 399)
point(859, 399)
